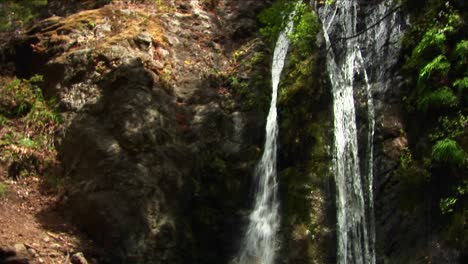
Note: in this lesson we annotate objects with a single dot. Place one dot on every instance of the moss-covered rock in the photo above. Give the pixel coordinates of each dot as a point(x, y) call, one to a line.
point(306, 182)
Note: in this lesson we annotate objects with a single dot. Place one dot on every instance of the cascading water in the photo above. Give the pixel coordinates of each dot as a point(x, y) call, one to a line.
point(260, 242)
point(359, 62)
point(354, 237)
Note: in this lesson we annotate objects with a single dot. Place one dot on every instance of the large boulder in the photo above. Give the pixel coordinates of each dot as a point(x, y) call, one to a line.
point(156, 150)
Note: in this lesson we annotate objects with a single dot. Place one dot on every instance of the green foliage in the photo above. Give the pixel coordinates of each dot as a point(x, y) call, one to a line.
point(218, 165)
point(30, 123)
point(245, 82)
point(302, 57)
point(439, 64)
point(432, 39)
point(18, 14)
point(297, 78)
point(439, 99)
point(448, 151)
point(406, 159)
point(461, 84)
point(306, 23)
point(306, 27)
point(457, 231)
point(23, 98)
point(450, 127)
point(299, 197)
point(304, 124)
point(446, 204)
point(3, 190)
point(461, 50)
point(274, 19)
point(436, 65)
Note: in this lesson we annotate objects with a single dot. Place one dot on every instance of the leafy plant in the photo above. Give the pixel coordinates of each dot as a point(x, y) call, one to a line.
point(436, 65)
point(439, 99)
point(406, 159)
point(17, 14)
point(3, 190)
point(30, 123)
point(306, 27)
point(450, 127)
point(448, 151)
point(274, 19)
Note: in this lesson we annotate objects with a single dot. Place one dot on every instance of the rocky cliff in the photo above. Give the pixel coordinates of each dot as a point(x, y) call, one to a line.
point(160, 133)
point(164, 105)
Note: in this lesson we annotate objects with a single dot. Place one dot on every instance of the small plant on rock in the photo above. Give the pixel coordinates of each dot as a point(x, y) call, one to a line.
point(30, 121)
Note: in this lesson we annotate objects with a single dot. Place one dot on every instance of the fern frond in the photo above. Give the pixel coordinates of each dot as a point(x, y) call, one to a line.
point(441, 98)
point(448, 151)
point(439, 63)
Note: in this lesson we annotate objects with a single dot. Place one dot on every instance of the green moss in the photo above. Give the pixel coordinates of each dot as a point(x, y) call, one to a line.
point(305, 118)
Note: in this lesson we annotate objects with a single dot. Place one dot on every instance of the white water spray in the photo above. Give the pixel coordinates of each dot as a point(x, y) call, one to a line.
point(354, 237)
point(260, 242)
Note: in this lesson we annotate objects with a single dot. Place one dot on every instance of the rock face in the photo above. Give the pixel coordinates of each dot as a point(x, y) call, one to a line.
point(164, 104)
point(304, 158)
point(157, 145)
point(403, 232)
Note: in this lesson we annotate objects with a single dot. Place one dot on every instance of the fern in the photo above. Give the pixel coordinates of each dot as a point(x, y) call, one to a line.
point(461, 53)
point(461, 84)
point(448, 151)
point(453, 23)
point(439, 64)
point(432, 38)
point(461, 49)
point(439, 99)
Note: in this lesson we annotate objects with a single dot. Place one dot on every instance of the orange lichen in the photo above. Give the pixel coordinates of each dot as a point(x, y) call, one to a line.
point(85, 28)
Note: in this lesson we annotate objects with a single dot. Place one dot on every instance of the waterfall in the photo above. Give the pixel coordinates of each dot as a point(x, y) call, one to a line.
point(260, 242)
point(354, 198)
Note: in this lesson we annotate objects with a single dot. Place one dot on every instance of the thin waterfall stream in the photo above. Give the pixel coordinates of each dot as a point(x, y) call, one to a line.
point(354, 201)
point(260, 242)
